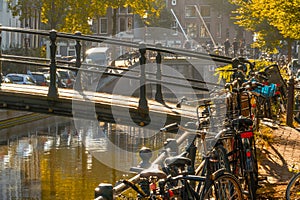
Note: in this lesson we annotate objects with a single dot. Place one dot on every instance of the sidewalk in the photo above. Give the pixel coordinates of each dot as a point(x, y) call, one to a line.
point(279, 155)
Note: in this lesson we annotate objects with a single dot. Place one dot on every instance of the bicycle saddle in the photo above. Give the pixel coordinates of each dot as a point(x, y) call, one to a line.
point(177, 161)
point(153, 171)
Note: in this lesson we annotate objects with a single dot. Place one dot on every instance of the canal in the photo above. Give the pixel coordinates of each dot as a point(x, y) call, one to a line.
point(63, 158)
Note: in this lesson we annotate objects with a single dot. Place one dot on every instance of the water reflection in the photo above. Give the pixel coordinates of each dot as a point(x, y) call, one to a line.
point(59, 161)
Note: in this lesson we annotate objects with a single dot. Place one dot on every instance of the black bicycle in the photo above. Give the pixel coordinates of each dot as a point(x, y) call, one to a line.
point(293, 188)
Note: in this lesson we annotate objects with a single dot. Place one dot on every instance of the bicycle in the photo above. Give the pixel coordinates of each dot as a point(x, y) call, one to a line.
point(210, 180)
point(293, 188)
point(240, 141)
point(175, 180)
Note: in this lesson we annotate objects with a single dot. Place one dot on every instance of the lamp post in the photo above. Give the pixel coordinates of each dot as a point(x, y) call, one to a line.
point(145, 16)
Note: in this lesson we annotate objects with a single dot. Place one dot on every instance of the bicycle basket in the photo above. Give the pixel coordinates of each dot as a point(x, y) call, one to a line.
point(267, 90)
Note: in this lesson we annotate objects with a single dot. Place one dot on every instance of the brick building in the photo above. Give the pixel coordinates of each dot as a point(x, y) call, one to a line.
point(203, 21)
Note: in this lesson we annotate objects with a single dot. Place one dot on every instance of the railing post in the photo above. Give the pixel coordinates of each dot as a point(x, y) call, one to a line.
point(290, 102)
point(158, 94)
point(143, 103)
point(0, 56)
point(52, 92)
point(78, 61)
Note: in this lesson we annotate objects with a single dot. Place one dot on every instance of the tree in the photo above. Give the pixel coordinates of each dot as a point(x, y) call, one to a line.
point(53, 13)
point(273, 21)
point(25, 9)
point(73, 15)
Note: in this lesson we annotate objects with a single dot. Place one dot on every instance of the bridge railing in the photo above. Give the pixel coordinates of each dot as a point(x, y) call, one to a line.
point(53, 63)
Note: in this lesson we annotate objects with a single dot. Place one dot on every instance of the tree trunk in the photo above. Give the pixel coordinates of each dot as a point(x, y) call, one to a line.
point(289, 50)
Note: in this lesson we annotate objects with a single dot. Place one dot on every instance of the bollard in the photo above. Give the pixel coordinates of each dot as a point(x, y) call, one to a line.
point(158, 94)
point(145, 154)
point(52, 92)
point(104, 191)
point(143, 103)
point(290, 102)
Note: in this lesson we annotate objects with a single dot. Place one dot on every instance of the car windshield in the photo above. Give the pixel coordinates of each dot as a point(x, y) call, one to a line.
point(39, 77)
point(63, 74)
point(16, 78)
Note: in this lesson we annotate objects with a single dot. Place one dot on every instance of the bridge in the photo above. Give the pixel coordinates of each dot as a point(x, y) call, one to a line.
point(150, 99)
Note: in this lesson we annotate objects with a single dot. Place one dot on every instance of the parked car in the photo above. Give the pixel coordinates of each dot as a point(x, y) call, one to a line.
point(40, 78)
point(6, 80)
point(67, 77)
point(59, 82)
point(21, 79)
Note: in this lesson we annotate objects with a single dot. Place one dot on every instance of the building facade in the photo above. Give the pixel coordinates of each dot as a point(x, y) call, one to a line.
point(199, 20)
point(205, 22)
point(9, 39)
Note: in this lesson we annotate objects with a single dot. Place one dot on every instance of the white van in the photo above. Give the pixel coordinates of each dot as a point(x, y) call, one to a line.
point(98, 56)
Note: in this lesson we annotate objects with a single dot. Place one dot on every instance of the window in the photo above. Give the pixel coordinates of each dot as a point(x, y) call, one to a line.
point(103, 25)
point(174, 27)
point(122, 23)
point(129, 10)
point(190, 11)
point(203, 31)
point(123, 10)
point(191, 29)
point(205, 11)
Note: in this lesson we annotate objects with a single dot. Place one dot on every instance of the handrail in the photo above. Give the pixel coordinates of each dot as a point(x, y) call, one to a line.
point(53, 63)
point(113, 41)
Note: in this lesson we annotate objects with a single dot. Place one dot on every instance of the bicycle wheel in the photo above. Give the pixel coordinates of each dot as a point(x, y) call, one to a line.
point(254, 158)
point(250, 170)
point(293, 188)
point(225, 186)
point(218, 160)
point(221, 158)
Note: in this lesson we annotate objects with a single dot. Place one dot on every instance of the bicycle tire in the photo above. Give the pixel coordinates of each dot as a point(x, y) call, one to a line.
point(225, 186)
point(251, 170)
point(255, 162)
point(222, 158)
point(293, 188)
point(220, 161)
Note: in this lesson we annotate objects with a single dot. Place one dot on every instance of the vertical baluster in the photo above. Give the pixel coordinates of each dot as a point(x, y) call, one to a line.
point(143, 103)
point(0, 55)
point(78, 61)
point(158, 94)
point(52, 92)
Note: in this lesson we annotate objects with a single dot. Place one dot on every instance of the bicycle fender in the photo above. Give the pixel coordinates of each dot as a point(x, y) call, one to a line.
point(218, 173)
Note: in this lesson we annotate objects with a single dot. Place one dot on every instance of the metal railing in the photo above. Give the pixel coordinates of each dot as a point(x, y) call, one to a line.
point(53, 63)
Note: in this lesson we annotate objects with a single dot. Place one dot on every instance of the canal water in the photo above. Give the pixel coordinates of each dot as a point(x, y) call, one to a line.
point(59, 158)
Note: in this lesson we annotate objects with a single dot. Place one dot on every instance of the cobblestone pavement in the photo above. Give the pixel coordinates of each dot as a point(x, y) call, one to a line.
point(279, 156)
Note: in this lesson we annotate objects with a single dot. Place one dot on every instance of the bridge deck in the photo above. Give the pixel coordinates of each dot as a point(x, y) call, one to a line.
point(91, 105)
